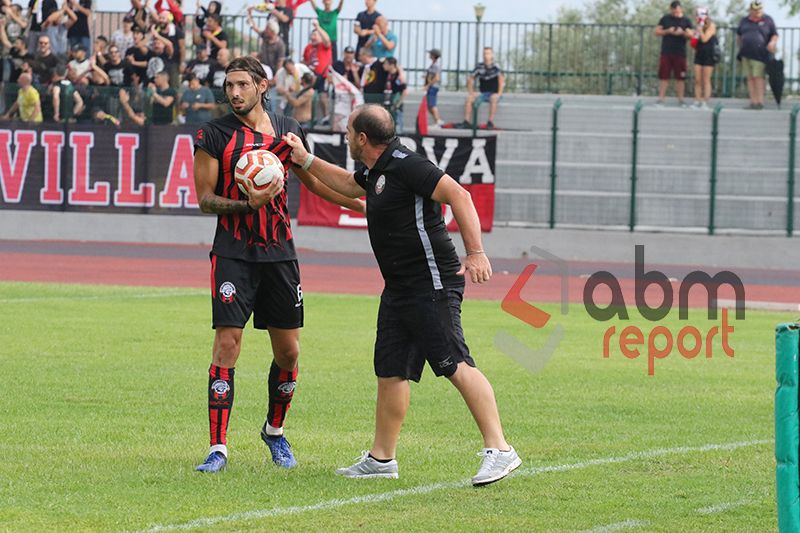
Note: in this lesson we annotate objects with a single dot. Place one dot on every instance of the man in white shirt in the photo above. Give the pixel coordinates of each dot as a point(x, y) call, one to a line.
point(287, 80)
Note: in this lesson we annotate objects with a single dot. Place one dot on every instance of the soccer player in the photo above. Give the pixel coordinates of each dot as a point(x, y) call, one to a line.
point(419, 317)
point(253, 262)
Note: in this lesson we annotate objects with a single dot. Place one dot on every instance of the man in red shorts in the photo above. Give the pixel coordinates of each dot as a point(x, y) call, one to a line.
point(675, 30)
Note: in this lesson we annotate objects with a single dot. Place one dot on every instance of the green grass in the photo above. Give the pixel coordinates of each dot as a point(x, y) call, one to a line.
point(104, 419)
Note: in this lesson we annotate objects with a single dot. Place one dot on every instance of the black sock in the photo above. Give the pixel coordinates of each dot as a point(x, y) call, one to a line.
point(381, 460)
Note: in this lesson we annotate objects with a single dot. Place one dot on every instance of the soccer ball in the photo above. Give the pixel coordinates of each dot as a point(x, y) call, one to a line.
point(261, 167)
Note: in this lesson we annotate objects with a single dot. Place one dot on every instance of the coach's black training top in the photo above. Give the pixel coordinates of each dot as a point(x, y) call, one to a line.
point(264, 236)
point(406, 227)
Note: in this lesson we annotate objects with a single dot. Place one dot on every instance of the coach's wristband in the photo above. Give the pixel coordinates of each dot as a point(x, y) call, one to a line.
point(307, 164)
point(475, 252)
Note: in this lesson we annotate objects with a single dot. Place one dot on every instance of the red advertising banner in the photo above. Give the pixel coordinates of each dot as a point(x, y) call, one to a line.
point(468, 160)
point(130, 169)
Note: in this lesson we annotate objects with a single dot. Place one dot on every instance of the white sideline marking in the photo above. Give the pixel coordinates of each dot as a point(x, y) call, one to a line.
point(106, 297)
point(425, 489)
point(721, 507)
point(627, 524)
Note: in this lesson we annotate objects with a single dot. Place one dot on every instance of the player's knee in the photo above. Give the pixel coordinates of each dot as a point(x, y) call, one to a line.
point(287, 356)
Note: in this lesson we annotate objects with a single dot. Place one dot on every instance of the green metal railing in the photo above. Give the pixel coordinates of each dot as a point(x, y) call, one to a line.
point(536, 57)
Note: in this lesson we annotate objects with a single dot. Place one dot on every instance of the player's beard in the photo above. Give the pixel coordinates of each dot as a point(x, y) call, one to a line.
point(243, 111)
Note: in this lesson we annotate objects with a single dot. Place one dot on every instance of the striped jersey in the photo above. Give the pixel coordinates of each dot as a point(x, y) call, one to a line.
point(266, 235)
point(406, 227)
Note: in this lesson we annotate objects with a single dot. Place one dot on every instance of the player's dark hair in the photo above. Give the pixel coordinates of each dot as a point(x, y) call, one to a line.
point(376, 123)
point(253, 67)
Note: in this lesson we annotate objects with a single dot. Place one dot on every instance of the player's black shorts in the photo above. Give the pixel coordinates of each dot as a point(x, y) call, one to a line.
point(269, 291)
point(414, 328)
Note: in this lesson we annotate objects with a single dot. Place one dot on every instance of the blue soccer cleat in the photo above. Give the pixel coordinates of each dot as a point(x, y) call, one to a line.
point(281, 450)
point(215, 462)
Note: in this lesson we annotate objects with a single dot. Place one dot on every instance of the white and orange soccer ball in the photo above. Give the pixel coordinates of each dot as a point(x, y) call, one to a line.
point(261, 167)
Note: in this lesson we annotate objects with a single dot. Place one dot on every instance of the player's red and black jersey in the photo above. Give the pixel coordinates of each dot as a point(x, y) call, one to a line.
point(264, 236)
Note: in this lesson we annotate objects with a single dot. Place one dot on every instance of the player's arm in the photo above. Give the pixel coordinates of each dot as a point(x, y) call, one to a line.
point(316, 186)
point(334, 177)
point(206, 171)
point(449, 192)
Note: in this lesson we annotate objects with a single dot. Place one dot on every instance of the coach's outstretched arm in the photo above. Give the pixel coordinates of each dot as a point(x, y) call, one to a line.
point(334, 177)
point(316, 186)
point(449, 192)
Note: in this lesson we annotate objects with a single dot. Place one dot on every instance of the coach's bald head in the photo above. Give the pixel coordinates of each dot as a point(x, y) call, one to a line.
point(375, 122)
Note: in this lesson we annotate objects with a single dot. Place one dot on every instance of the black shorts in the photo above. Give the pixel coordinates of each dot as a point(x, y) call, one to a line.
point(319, 84)
point(418, 327)
point(269, 291)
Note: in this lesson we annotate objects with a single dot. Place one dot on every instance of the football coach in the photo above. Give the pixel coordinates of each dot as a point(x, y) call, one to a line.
point(420, 311)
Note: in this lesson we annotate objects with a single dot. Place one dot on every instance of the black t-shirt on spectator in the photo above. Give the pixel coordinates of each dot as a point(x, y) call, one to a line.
point(156, 63)
point(366, 21)
point(284, 26)
point(376, 78)
point(755, 35)
point(216, 76)
point(43, 66)
point(342, 69)
point(48, 6)
point(81, 26)
point(162, 114)
point(17, 61)
point(139, 55)
point(488, 77)
point(674, 45)
point(120, 75)
point(201, 69)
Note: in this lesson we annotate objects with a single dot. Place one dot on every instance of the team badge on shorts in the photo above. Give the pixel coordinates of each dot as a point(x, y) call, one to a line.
point(380, 184)
point(227, 292)
point(221, 389)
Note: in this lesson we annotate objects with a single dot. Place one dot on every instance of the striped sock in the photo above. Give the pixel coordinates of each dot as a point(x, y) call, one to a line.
point(281, 390)
point(220, 401)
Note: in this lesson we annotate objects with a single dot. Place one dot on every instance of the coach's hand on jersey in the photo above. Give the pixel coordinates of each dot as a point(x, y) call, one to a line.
point(479, 268)
point(299, 153)
point(260, 198)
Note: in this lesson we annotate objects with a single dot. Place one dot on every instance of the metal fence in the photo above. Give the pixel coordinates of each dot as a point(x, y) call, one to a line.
point(536, 57)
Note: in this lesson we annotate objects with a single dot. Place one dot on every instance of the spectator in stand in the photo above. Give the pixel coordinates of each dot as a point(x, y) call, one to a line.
point(317, 56)
point(675, 30)
point(133, 107)
point(201, 65)
point(395, 91)
point(44, 62)
point(491, 82)
point(162, 99)
point(382, 41)
point(172, 32)
point(348, 67)
point(376, 80)
point(12, 29)
point(63, 94)
point(101, 117)
point(367, 60)
point(432, 78)
point(213, 36)
point(38, 11)
point(160, 56)
point(100, 51)
point(78, 33)
point(139, 13)
point(217, 71)
point(757, 39)
point(303, 103)
point(56, 27)
point(328, 19)
point(174, 9)
point(705, 43)
point(137, 55)
point(202, 13)
point(287, 81)
point(284, 15)
point(28, 102)
point(364, 24)
point(273, 49)
point(118, 70)
point(80, 66)
point(197, 101)
point(123, 37)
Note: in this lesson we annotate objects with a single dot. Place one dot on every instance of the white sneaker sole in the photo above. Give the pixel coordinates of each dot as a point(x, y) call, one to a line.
point(510, 468)
point(367, 476)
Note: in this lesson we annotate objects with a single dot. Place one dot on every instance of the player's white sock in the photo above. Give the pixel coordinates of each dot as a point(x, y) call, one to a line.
point(219, 448)
point(274, 432)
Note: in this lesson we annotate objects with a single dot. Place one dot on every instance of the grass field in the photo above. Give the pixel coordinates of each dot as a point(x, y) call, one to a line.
point(104, 419)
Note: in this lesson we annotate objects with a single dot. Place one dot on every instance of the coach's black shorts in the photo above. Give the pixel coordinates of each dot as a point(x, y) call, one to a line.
point(269, 291)
point(414, 328)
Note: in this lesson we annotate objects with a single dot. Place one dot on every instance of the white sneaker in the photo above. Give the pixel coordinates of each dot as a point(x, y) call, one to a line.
point(440, 122)
point(367, 467)
point(496, 465)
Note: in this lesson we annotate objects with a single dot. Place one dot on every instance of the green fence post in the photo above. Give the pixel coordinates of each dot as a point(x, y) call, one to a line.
point(792, 140)
point(641, 60)
point(787, 428)
point(458, 58)
point(610, 89)
point(634, 158)
point(556, 106)
point(550, 58)
point(713, 184)
point(475, 108)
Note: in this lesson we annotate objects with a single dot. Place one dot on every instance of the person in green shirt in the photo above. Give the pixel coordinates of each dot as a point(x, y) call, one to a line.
point(327, 20)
